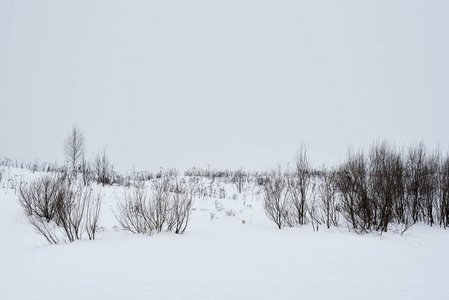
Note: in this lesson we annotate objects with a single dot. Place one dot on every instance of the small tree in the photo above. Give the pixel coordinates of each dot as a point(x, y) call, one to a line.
point(85, 169)
point(74, 149)
point(444, 192)
point(430, 187)
point(386, 184)
point(414, 179)
point(328, 203)
point(103, 168)
point(299, 185)
point(275, 198)
point(352, 183)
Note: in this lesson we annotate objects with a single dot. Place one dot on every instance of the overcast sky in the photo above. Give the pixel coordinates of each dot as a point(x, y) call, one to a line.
point(227, 83)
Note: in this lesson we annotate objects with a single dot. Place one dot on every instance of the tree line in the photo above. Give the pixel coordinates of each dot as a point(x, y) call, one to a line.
point(374, 190)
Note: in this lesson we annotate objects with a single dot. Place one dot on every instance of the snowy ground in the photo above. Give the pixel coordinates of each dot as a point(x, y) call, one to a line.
point(220, 258)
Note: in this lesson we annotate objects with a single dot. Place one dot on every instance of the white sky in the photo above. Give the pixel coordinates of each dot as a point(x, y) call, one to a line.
point(226, 83)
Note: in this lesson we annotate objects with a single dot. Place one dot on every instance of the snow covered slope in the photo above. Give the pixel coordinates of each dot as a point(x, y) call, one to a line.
point(219, 257)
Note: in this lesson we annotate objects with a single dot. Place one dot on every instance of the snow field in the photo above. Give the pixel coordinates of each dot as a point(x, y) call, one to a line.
point(220, 258)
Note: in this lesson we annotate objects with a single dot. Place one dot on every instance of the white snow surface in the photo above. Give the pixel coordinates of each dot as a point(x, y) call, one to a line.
point(220, 258)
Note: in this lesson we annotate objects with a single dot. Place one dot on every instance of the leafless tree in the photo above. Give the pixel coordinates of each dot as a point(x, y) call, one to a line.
point(328, 201)
point(352, 183)
point(444, 192)
point(74, 149)
point(85, 169)
point(275, 198)
point(430, 188)
point(417, 155)
point(299, 185)
point(103, 167)
point(386, 184)
point(314, 212)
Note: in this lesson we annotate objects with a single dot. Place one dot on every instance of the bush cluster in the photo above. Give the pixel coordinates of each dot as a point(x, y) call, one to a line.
point(166, 205)
point(369, 191)
point(59, 210)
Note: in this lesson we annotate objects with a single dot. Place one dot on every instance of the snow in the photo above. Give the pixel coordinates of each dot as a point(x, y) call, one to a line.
point(220, 258)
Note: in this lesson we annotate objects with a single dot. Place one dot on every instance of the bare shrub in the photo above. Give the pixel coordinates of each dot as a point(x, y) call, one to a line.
point(181, 208)
point(299, 186)
point(168, 205)
point(70, 216)
point(430, 188)
point(238, 179)
point(159, 205)
point(86, 172)
point(92, 216)
point(42, 197)
point(314, 212)
point(415, 166)
point(102, 168)
point(444, 192)
point(132, 211)
point(328, 201)
point(80, 213)
point(390, 188)
point(218, 205)
point(47, 229)
point(275, 198)
point(352, 183)
point(60, 211)
point(386, 184)
point(230, 213)
point(422, 183)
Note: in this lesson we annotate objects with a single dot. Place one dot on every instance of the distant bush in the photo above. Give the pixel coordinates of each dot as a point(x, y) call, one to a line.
point(102, 168)
point(168, 205)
